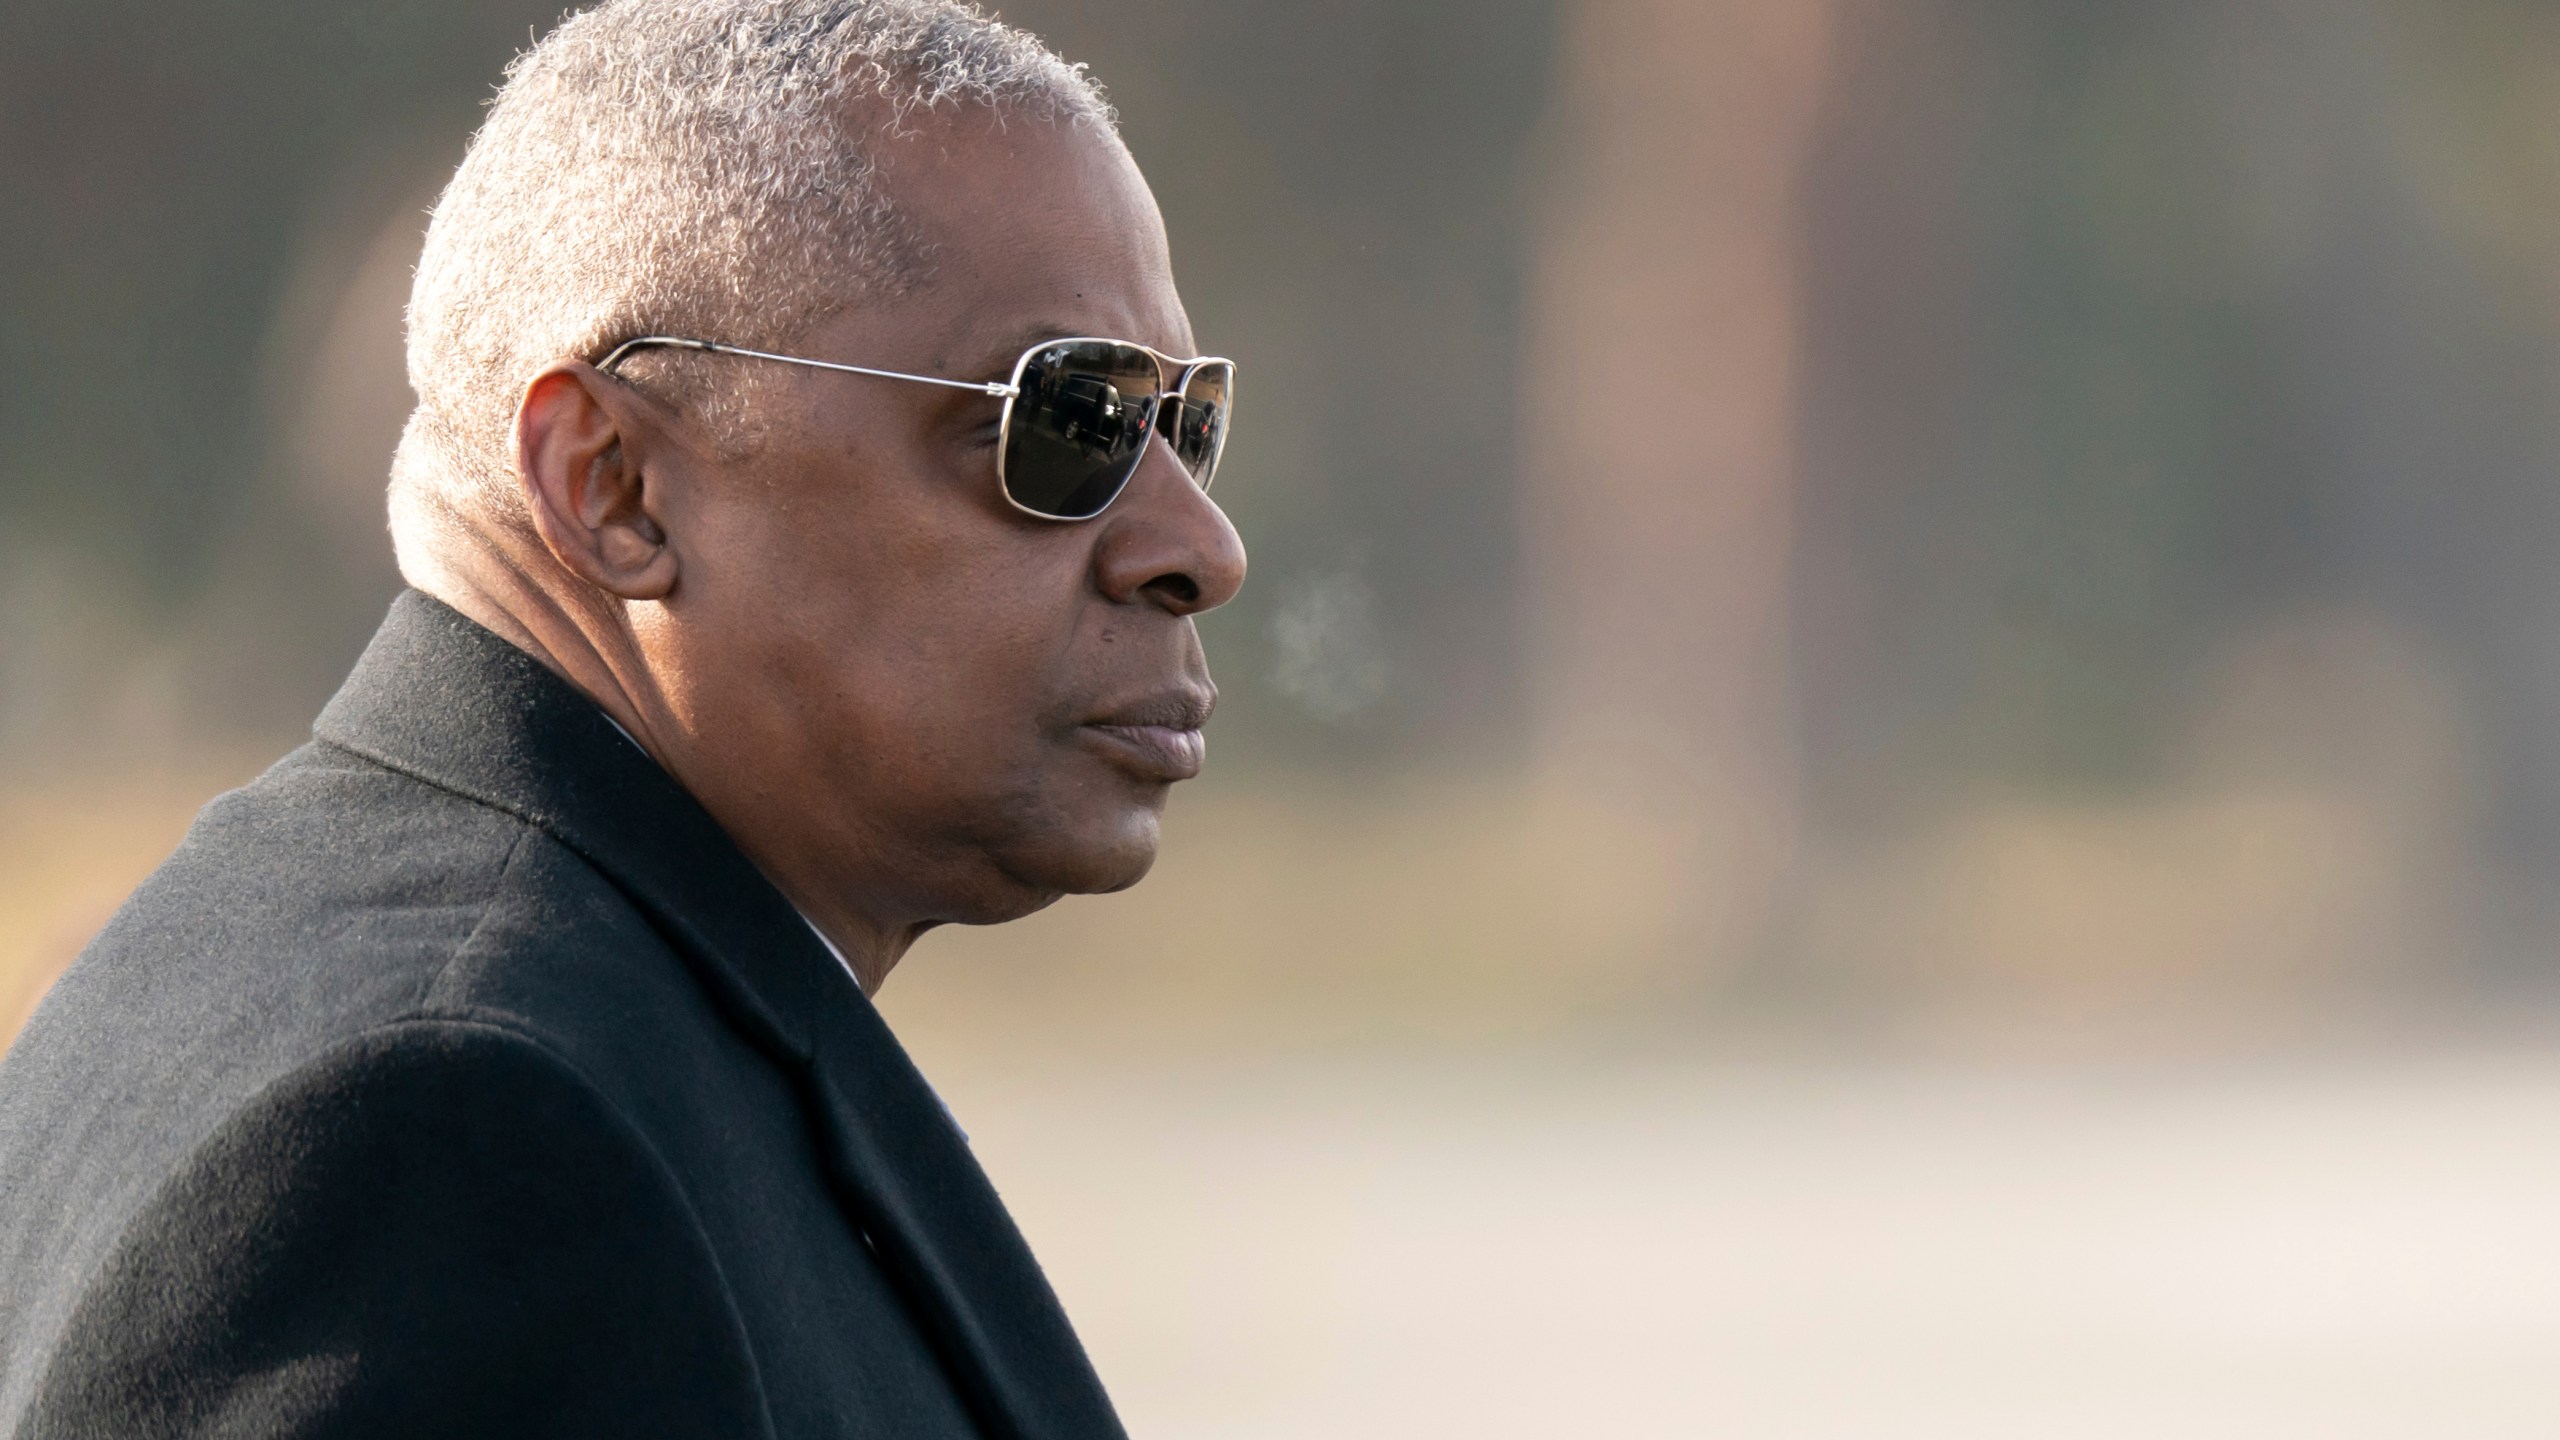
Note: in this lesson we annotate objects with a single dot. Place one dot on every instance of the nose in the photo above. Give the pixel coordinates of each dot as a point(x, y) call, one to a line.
point(1166, 543)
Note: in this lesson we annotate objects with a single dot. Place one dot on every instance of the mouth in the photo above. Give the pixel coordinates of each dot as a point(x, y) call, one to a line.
point(1159, 738)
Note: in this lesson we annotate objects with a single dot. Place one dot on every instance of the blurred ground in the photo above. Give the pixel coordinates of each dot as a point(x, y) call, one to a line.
point(1656, 1244)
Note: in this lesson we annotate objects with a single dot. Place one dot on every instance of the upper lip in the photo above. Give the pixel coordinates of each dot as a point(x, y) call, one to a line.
point(1181, 708)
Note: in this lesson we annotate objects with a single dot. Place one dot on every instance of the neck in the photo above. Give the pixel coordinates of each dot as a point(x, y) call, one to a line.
point(587, 640)
point(529, 604)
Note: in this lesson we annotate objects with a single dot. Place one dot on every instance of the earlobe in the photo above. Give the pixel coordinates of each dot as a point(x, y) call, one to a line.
point(578, 455)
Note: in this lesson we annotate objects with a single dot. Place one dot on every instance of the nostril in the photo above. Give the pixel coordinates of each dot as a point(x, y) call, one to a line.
point(1177, 587)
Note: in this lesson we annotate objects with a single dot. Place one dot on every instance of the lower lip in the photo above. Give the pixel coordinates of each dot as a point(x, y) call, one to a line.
point(1159, 752)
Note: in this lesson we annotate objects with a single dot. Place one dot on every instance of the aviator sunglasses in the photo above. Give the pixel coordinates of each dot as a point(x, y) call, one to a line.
point(1078, 414)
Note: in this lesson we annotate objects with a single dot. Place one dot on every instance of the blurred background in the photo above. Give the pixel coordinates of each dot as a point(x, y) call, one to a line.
point(1892, 768)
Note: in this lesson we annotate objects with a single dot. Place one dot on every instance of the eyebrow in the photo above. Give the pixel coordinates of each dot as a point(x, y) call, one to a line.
point(1023, 338)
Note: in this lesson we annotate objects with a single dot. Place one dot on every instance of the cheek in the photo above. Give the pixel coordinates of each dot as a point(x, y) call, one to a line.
point(988, 657)
point(909, 636)
point(962, 664)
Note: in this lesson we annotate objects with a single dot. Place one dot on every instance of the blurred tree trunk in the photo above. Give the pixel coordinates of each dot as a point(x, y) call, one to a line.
point(1660, 407)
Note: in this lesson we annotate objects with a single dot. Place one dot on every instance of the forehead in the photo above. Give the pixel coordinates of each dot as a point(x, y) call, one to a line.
point(1031, 229)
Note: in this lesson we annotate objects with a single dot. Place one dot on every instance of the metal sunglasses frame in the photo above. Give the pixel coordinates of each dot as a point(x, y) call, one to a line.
point(1008, 390)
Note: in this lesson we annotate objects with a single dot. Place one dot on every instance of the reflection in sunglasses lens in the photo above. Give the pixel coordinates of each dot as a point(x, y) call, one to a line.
point(1080, 424)
point(1199, 429)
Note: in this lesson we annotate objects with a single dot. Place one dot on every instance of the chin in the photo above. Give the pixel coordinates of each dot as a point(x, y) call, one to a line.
point(1084, 860)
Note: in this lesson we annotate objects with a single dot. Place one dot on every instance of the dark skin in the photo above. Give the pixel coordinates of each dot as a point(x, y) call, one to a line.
point(909, 703)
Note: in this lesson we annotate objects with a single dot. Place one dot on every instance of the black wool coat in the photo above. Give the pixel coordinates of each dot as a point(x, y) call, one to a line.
point(460, 1077)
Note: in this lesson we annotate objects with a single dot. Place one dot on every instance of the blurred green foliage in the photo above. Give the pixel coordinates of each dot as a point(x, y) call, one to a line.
point(1343, 183)
point(2132, 326)
point(2127, 327)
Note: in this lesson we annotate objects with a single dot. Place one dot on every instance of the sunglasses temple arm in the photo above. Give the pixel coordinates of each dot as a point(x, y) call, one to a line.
point(997, 388)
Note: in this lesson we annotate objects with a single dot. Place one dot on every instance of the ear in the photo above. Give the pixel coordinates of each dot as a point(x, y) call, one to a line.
point(580, 436)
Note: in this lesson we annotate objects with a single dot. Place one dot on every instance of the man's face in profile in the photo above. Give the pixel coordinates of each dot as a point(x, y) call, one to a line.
point(890, 673)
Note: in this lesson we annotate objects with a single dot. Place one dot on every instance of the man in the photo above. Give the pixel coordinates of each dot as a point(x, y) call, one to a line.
point(805, 508)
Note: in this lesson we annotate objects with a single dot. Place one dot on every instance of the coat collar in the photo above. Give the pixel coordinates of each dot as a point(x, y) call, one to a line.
point(442, 699)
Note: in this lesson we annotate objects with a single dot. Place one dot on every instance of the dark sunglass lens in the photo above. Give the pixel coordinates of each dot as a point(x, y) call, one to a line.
point(1080, 426)
point(1198, 423)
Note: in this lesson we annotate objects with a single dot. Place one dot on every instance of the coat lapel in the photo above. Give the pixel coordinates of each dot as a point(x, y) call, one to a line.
point(440, 698)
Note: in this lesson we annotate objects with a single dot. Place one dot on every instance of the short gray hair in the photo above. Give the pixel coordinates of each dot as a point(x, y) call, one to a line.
point(690, 167)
